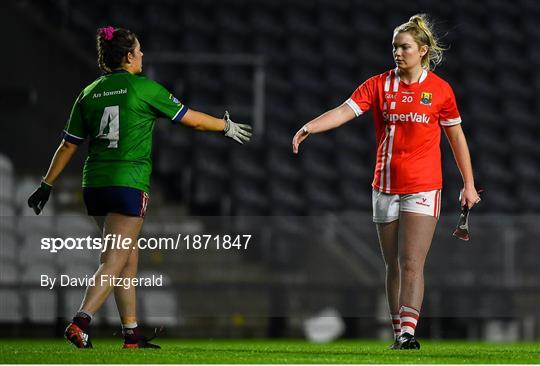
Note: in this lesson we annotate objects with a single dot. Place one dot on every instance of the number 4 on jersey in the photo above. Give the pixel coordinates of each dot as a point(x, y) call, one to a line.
point(110, 118)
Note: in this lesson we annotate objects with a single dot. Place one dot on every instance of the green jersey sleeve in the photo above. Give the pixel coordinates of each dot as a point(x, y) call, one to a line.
point(75, 130)
point(161, 101)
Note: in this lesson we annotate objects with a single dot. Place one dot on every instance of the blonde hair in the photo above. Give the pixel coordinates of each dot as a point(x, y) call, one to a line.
point(421, 30)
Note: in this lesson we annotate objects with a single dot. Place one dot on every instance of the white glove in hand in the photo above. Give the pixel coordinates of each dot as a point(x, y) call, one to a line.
point(238, 132)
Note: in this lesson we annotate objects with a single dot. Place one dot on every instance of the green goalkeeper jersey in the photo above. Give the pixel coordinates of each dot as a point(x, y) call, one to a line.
point(117, 113)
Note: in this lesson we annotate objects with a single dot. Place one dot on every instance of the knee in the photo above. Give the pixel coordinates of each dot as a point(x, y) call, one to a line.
point(392, 267)
point(113, 263)
point(130, 269)
point(410, 265)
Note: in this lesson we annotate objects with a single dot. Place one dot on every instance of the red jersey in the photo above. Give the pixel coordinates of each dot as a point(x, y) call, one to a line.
point(407, 124)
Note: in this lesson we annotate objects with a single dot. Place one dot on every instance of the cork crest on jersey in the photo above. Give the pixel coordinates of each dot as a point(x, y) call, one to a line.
point(426, 97)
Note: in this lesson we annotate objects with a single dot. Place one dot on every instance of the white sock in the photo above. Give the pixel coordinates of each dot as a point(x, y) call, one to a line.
point(409, 318)
point(128, 328)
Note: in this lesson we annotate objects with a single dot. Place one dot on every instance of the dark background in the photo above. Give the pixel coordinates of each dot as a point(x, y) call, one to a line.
point(313, 54)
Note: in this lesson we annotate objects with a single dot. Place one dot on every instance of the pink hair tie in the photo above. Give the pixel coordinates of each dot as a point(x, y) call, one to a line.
point(106, 33)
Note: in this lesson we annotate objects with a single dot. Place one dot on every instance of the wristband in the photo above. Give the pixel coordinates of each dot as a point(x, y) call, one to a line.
point(45, 185)
point(227, 120)
point(304, 129)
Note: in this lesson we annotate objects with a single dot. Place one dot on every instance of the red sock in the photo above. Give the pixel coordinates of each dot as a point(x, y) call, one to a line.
point(131, 333)
point(82, 320)
point(396, 324)
point(409, 318)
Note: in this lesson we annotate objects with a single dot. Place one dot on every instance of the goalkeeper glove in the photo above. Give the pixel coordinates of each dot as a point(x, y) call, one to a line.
point(39, 198)
point(238, 132)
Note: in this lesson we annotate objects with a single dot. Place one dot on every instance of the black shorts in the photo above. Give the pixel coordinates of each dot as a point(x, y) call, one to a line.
point(123, 200)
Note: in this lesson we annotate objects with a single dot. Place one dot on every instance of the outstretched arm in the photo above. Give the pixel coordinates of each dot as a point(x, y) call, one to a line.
point(203, 122)
point(326, 121)
point(458, 143)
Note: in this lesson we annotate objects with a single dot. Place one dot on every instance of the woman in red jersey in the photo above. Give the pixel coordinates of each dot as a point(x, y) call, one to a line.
point(410, 105)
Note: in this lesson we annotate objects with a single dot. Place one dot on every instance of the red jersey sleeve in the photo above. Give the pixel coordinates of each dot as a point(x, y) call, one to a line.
point(449, 114)
point(362, 98)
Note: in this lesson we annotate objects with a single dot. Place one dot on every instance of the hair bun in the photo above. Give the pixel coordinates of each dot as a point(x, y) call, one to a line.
point(418, 19)
point(422, 30)
point(106, 33)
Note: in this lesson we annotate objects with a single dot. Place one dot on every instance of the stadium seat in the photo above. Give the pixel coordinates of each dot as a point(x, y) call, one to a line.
point(80, 257)
point(355, 195)
point(10, 306)
point(41, 302)
point(6, 180)
point(5, 163)
point(79, 270)
point(506, 27)
point(352, 165)
point(503, 54)
point(30, 251)
point(9, 272)
point(526, 250)
point(280, 136)
point(74, 224)
point(72, 301)
point(478, 82)
point(42, 226)
point(247, 165)
point(8, 245)
point(306, 77)
point(42, 306)
point(31, 273)
point(369, 25)
point(281, 165)
point(8, 217)
point(286, 198)
point(318, 165)
point(511, 83)
point(518, 110)
point(321, 196)
point(159, 307)
point(160, 16)
point(529, 202)
point(298, 18)
point(128, 13)
point(265, 19)
point(249, 195)
point(530, 7)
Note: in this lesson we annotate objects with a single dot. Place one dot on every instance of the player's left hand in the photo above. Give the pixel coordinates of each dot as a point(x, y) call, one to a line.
point(469, 197)
point(39, 198)
point(237, 131)
point(300, 136)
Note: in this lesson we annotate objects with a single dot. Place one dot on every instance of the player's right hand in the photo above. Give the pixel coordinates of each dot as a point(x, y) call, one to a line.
point(39, 198)
point(300, 136)
point(237, 131)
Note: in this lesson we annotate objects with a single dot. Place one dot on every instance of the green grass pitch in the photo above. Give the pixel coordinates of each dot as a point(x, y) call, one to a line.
point(266, 352)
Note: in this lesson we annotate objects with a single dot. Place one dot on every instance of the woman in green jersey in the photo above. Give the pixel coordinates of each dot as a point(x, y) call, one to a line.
point(116, 113)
